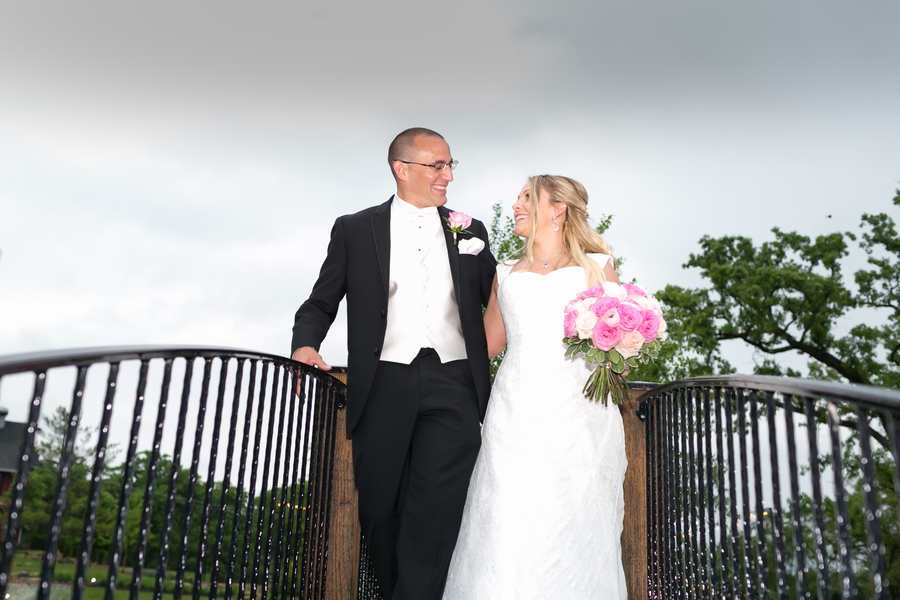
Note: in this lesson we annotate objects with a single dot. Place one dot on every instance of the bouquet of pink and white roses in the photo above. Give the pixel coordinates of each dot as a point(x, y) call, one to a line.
point(617, 326)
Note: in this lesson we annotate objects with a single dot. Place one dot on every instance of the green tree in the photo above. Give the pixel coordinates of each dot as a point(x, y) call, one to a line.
point(789, 295)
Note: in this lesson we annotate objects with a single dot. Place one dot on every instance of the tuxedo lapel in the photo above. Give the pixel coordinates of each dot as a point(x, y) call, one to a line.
point(452, 249)
point(381, 229)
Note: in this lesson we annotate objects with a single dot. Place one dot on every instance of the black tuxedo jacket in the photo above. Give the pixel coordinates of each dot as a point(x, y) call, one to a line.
point(358, 266)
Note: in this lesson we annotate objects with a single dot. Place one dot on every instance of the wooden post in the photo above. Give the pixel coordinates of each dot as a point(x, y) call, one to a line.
point(634, 534)
point(343, 542)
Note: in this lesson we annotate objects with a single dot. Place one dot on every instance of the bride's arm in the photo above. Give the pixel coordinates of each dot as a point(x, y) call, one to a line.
point(493, 324)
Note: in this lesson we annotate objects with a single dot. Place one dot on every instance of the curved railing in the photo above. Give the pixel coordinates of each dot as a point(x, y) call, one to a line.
point(247, 517)
point(737, 486)
point(770, 487)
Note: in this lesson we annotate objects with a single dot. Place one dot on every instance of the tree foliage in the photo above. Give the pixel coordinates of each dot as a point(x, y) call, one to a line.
point(790, 295)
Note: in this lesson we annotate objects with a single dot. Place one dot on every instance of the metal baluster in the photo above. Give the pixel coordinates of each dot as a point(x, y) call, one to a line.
point(226, 480)
point(210, 482)
point(150, 488)
point(761, 553)
point(257, 556)
point(796, 508)
point(724, 554)
point(239, 493)
point(118, 541)
point(713, 584)
point(62, 486)
point(293, 539)
point(173, 483)
point(700, 522)
point(778, 529)
point(192, 484)
point(251, 496)
point(270, 530)
point(662, 534)
point(317, 541)
point(848, 585)
point(282, 550)
point(738, 572)
point(668, 446)
point(309, 554)
point(690, 431)
point(300, 561)
point(824, 585)
point(749, 563)
point(872, 508)
point(683, 499)
point(17, 495)
point(652, 436)
point(90, 516)
point(894, 433)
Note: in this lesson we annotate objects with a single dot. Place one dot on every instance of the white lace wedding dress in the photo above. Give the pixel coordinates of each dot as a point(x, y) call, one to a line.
point(544, 512)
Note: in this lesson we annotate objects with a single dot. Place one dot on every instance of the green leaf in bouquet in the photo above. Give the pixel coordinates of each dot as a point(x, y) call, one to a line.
point(618, 368)
point(571, 351)
point(615, 357)
point(632, 362)
point(591, 356)
point(585, 346)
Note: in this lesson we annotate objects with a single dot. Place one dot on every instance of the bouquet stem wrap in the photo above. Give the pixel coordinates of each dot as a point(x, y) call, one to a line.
point(604, 383)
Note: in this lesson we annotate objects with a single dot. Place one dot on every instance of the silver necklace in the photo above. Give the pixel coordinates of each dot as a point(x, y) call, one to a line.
point(546, 265)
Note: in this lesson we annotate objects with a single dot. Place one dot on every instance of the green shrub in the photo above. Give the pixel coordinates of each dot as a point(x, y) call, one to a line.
point(64, 577)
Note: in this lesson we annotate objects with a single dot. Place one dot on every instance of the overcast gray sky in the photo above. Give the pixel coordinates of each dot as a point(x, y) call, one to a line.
point(169, 171)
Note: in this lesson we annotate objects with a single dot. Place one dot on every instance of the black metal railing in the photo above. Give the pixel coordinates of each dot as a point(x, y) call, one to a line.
point(246, 517)
point(763, 487)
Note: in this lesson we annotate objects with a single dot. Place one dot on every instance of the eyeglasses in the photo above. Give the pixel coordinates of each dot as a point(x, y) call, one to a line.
point(438, 166)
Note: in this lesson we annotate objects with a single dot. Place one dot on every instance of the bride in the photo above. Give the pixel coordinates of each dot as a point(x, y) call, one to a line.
point(545, 508)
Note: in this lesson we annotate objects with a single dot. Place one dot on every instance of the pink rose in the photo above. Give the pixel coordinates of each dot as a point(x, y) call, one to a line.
point(593, 292)
point(605, 337)
point(649, 326)
point(603, 305)
point(569, 324)
point(631, 344)
point(460, 221)
point(610, 317)
point(629, 316)
point(635, 290)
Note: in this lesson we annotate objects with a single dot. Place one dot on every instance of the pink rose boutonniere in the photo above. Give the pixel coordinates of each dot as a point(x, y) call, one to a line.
point(617, 326)
point(458, 222)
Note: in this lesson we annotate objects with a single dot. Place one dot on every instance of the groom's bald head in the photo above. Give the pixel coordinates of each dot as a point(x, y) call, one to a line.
point(404, 144)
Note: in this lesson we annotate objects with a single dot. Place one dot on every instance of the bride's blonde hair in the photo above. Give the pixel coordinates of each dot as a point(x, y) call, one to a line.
point(579, 239)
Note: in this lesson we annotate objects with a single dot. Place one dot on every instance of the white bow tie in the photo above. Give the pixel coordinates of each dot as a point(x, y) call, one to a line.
point(410, 215)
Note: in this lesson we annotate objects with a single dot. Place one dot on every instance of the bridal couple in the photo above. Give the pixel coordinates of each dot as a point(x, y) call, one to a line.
point(538, 512)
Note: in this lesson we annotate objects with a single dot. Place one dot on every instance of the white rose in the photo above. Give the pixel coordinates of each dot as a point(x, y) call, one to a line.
point(614, 290)
point(631, 344)
point(643, 302)
point(585, 305)
point(584, 324)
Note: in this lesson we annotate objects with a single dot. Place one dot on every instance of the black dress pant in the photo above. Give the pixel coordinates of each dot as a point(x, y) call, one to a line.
point(414, 449)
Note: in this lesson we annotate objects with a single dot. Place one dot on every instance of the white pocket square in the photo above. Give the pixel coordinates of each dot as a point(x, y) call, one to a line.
point(471, 246)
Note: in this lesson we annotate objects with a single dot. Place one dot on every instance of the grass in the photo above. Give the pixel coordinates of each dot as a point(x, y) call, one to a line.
point(28, 563)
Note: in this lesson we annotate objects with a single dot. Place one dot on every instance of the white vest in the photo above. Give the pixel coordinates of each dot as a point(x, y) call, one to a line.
point(422, 310)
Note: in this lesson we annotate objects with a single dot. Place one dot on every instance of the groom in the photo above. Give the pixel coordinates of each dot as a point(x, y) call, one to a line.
point(418, 379)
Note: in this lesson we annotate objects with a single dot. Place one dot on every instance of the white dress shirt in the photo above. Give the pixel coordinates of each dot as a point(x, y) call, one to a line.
point(422, 310)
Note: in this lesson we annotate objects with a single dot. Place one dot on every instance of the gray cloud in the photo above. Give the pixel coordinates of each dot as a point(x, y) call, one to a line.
point(169, 173)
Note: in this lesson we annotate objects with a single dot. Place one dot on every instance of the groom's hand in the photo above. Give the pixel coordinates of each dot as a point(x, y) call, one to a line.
point(308, 356)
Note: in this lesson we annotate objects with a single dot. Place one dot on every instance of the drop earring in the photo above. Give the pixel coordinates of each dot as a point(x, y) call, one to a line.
point(555, 226)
